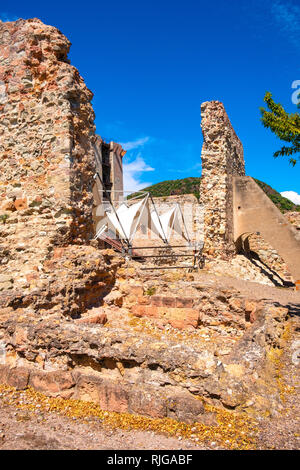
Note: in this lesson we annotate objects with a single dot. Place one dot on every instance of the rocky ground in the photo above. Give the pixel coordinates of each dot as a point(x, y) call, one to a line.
point(183, 325)
point(30, 427)
point(30, 420)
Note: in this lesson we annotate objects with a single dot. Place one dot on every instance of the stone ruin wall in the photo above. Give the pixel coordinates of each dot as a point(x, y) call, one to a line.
point(109, 183)
point(222, 158)
point(48, 268)
point(293, 218)
point(47, 158)
point(47, 165)
point(269, 257)
point(47, 130)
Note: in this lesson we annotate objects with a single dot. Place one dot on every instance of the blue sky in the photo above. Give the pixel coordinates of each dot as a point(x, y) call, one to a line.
point(150, 65)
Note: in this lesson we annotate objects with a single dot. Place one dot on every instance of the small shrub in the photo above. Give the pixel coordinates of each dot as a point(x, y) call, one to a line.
point(150, 291)
point(4, 218)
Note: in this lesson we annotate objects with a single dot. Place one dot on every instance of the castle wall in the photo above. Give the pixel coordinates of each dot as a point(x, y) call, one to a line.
point(116, 172)
point(109, 184)
point(222, 158)
point(46, 148)
point(254, 211)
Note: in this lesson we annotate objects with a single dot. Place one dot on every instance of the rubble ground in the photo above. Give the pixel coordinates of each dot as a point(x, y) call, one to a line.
point(110, 357)
point(29, 420)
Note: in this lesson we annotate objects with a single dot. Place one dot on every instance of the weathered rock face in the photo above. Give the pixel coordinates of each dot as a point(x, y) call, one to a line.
point(222, 157)
point(46, 154)
point(128, 372)
point(72, 280)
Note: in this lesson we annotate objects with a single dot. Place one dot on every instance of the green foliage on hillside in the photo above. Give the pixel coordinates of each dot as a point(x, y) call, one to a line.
point(176, 187)
point(192, 186)
point(281, 202)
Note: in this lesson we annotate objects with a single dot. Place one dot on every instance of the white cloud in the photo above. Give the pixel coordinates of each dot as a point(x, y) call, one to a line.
point(132, 173)
point(135, 143)
point(292, 196)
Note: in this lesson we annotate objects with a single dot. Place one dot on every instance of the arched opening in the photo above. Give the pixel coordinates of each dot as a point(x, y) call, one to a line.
point(264, 257)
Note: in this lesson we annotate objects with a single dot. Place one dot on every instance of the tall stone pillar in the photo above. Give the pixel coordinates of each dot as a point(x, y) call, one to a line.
point(46, 152)
point(46, 135)
point(222, 158)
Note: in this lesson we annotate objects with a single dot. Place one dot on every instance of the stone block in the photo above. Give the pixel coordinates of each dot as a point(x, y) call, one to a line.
point(184, 302)
point(51, 383)
point(145, 403)
point(18, 377)
point(156, 300)
point(180, 318)
point(4, 370)
point(185, 408)
point(137, 291)
point(96, 318)
point(144, 300)
point(145, 311)
point(168, 301)
point(113, 396)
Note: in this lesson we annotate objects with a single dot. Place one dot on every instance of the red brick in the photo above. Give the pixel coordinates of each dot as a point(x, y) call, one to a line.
point(138, 310)
point(145, 311)
point(168, 302)
point(184, 302)
point(52, 383)
point(156, 300)
point(180, 318)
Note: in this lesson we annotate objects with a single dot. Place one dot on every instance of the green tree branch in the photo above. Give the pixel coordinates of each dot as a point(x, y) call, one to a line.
point(284, 125)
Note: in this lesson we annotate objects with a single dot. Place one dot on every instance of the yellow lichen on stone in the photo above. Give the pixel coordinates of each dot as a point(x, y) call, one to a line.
point(233, 431)
point(275, 358)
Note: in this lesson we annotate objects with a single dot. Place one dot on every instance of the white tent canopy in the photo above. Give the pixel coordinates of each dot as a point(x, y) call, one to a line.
point(125, 220)
point(166, 222)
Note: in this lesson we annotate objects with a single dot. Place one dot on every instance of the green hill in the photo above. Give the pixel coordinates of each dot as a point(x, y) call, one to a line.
point(192, 186)
point(176, 187)
point(281, 202)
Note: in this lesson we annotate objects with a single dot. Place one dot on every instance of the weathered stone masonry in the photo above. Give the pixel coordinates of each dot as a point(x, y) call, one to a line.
point(51, 273)
point(234, 205)
point(47, 131)
point(222, 158)
point(47, 166)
